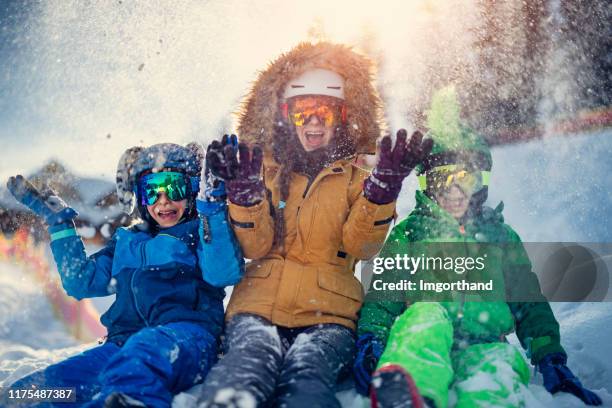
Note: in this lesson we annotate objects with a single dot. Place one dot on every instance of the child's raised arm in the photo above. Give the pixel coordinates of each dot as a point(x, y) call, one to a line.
point(219, 254)
point(81, 276)
point(249, 211)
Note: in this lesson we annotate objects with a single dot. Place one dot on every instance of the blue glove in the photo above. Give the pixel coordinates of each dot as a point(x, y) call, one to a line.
point(45, 204)
point(369, 350)
point(558, 377)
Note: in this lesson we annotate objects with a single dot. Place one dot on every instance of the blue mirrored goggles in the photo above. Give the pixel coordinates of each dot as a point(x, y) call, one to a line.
point(173, 184)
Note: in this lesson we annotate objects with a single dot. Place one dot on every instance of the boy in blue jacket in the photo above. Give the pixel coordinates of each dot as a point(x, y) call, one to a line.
point(167, 273)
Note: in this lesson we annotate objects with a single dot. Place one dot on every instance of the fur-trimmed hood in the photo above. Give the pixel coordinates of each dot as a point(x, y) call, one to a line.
point(364, 107)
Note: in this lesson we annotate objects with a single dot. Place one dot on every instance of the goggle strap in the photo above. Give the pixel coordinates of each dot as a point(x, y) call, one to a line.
point(486, 177)
point(195, 183)
point(422, 182)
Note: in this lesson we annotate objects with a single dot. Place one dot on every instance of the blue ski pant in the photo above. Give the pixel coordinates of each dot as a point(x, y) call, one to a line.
point(154, 364)
point(279, 366)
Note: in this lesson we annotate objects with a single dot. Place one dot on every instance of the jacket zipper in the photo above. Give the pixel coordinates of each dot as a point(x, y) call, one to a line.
point(297, 226)
point(310, 181)
point(142, 256)
point(304, 196)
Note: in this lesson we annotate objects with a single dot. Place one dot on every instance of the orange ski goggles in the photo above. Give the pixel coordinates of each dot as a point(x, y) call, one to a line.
point(329, 111)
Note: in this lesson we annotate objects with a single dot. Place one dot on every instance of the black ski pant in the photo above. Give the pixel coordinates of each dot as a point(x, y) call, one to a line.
point(279, 366)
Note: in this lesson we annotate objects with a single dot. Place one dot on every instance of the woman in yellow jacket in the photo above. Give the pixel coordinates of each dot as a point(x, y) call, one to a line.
point(304, 220)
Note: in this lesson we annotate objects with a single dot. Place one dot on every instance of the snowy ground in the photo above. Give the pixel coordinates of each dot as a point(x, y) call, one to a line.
point(555, 190)
point(30, 335)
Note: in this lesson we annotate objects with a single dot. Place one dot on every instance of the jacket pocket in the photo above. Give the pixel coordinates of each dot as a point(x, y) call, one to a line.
point(259, 269)
point(256, 292)
point(340, 284)
point(330, 291)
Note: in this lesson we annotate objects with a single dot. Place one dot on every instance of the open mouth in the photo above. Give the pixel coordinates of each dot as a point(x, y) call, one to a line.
point(314, 139)
point(167, 214)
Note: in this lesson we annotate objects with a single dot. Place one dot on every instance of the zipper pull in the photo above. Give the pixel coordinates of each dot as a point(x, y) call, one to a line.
point(206, 229)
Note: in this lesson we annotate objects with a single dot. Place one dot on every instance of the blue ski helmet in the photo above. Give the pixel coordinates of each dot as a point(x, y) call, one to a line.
point(137, 161)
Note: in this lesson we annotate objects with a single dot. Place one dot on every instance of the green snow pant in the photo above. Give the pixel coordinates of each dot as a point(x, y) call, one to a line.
point(487, 375)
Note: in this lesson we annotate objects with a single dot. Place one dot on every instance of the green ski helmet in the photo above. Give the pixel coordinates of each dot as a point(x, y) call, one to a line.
point(456, 147)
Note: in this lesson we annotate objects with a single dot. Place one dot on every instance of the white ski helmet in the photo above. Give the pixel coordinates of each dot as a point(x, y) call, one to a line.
point(316, 81)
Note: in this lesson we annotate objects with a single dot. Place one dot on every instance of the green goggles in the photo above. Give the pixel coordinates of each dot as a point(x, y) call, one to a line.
point(441, 178)
point(173, 184)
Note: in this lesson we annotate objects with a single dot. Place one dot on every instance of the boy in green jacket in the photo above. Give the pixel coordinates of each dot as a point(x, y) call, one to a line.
point(421, 349)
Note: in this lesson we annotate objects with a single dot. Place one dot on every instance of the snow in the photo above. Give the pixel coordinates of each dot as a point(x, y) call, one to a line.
point(30, 335)
point(555, 189)
point(240, 399)
point(174, 354)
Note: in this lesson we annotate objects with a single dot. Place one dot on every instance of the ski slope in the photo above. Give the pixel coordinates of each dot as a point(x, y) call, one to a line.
point(557, 189)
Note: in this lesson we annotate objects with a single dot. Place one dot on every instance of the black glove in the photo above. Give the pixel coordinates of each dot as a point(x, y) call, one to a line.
point(558, 377)
point(216, 170)
point(384, 184)
point(219, 162)
point(246, 188)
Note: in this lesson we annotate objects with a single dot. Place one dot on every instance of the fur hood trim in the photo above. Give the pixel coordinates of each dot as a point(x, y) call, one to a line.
point(364, 107)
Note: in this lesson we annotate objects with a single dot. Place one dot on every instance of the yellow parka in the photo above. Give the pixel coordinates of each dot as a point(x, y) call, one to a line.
point(329, 224)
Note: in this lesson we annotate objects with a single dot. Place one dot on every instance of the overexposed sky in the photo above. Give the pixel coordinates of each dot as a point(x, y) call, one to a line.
point(85, 82)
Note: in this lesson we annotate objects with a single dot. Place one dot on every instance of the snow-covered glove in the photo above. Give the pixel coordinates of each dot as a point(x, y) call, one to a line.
point(558, 377)
point(369, 350)
point(242, 173)
point(247, 188)
point(222, 166)
point(217, 170)
point(384, 184)
point(45, 204)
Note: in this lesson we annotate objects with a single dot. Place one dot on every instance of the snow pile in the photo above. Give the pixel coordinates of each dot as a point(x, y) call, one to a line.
point(30, 335)
point(235, 398)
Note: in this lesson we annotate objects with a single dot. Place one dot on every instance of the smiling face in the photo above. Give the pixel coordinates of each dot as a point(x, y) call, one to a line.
point(315, 118)
point(314, 134)
point(165, 212)
point(454, 201)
